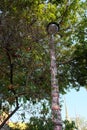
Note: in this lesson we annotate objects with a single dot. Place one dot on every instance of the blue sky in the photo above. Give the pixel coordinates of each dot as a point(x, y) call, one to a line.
point(76, 103)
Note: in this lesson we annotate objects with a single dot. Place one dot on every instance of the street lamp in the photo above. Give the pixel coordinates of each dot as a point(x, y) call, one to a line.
point(52, 29)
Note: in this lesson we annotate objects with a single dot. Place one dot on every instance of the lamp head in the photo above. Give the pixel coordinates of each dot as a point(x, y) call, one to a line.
point(52, 28)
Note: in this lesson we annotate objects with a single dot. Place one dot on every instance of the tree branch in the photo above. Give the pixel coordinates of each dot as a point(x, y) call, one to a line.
point(8, 117)
point(65, 62)
point(11, 75)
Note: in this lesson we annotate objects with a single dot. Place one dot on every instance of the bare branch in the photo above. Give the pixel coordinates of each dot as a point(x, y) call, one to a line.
point(8, 117)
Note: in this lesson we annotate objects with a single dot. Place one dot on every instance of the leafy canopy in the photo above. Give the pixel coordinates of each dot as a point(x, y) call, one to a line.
point(24, 48)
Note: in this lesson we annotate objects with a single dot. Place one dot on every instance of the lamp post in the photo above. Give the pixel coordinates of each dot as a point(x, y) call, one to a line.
point(52, 29)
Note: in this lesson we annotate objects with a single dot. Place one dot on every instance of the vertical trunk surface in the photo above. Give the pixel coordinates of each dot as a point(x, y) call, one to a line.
point(56, 112)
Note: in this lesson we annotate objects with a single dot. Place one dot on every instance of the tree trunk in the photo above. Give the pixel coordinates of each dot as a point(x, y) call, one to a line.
point(56, 112)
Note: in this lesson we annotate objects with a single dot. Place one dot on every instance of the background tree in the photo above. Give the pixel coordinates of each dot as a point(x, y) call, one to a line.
point(24, 51)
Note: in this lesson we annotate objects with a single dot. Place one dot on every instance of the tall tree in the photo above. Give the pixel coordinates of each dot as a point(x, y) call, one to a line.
point(23, 39)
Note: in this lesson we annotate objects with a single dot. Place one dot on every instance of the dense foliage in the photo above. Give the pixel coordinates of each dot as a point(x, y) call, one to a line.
point(38, 124)
point(24, 48)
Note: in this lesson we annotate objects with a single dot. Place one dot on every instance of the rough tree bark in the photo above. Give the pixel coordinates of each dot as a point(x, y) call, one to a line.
point(56, 112)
